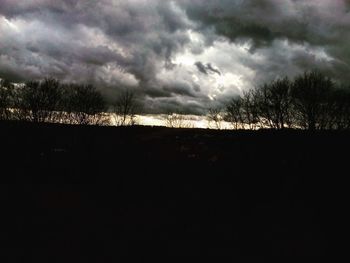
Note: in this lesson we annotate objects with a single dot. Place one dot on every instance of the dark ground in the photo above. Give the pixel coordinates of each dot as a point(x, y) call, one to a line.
point(96, 194)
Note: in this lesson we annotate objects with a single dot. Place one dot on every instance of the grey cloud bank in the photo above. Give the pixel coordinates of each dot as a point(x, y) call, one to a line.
point(177, 55)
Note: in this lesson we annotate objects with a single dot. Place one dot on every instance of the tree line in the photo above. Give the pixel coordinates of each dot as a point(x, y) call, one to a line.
point(49, 100)
point(310, 101)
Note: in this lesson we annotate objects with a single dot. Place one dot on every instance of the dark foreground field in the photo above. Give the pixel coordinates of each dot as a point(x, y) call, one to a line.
point(97, 194)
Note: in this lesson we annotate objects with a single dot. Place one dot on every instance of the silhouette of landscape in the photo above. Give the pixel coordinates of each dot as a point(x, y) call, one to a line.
point(84, 180)
point(81, 187)
point(98, 193)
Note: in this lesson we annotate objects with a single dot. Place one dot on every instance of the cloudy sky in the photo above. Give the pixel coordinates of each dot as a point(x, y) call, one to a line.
point(183, 55)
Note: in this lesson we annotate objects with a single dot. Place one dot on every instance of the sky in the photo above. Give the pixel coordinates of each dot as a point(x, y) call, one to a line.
point(178, 56)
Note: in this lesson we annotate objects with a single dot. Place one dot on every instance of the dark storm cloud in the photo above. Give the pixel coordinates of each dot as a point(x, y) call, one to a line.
point(317, 23)
point(137, 44)
point(260, 21)
point(212, 69)
point(206, 69)
point(176, 105)
point(201, 67)
point(184, 90)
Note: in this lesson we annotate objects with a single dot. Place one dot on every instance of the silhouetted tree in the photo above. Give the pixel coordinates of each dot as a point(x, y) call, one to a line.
point(234, 112)
point(39, 101)
point(6, 99)
point(274, 104)
point(250, 109)
point(311, 92)
point(175, 120)
point(215, 118)
point(83, 104)
point(310, 101)
point(242, 111)
point(124, 108)
point(339, 109)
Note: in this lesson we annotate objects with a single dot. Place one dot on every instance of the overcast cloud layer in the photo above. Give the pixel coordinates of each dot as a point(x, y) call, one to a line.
point(183, 55)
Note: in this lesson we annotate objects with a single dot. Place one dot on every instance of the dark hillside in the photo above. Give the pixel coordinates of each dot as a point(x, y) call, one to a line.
point(94, 194)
